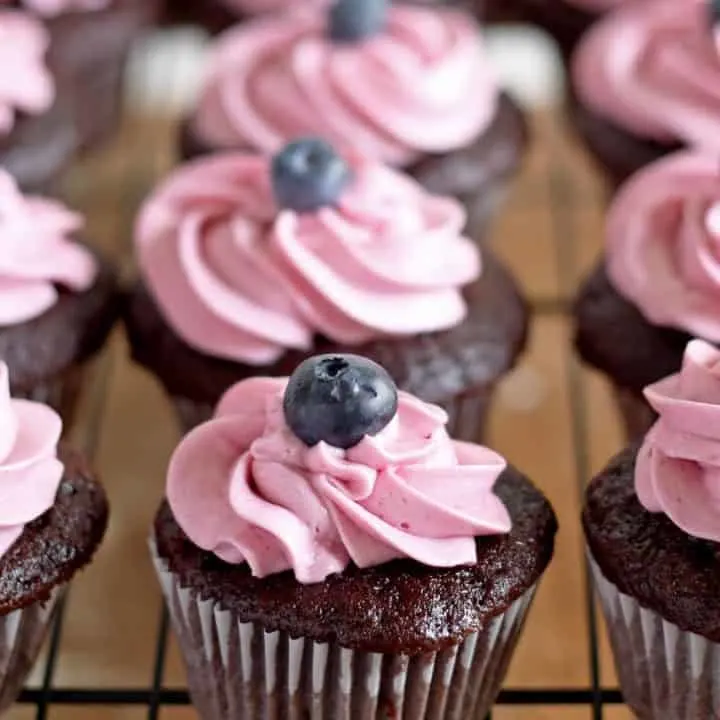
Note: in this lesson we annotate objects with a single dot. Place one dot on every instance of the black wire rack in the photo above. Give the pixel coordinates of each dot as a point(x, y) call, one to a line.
point(155, 696)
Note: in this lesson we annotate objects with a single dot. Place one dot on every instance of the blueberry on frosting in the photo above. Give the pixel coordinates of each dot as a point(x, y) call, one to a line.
point(355, 20)
point(308, 174)
point(714, 11)
point(339, 399)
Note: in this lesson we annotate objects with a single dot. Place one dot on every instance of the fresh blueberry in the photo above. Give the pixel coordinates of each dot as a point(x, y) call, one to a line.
point(355, 20)
point(339, 399)
point(308, 174)
point(714, 10)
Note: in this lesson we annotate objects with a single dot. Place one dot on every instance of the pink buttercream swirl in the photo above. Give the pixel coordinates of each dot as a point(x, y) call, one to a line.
point(422, 86)
point(654, 71)
point(51, 8)
point(663, 243)
point(678, 466)
point(238, 279)
point(26, 84)
point(30, 472)
point(38, 254)
point(245, 488)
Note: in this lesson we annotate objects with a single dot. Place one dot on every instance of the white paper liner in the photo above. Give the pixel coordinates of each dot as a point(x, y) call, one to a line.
point(237, 670)
point(665, 673)
point(22, 633)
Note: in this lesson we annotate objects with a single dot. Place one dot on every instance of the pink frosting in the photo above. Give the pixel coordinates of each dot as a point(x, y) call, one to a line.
point(245, 488)
point(50, 8)
point(654, 72)
point(237, 279)
point(663, 243)
point(423, 86)
point(30, 472)
point(26, 84)
point(677, 470)
point(38, 253)
point(259, 7)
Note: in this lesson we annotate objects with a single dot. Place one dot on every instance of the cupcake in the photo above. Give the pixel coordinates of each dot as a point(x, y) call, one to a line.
point(37, 133)
point(645, 82)
point(58, 299)
point(407, 85)
point(659, 282)
point(248, 265)
point(326, 550)
point(218, 15)
point(652, 525)
point(53, 518)
point(89, 48)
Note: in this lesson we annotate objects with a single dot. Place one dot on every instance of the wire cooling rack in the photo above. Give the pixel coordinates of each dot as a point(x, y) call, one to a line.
point(126, 172)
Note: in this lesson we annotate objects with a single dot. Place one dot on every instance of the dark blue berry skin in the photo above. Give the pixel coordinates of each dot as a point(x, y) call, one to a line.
point(339, 399)
point(355, 20)
point(714, 10)
point(308, 174)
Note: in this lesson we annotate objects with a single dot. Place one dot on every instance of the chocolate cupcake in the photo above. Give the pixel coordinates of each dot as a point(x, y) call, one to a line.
point(644, 84)
point(90, 41)
point(438, 114)
point(249, 265)
point(53, 518)
point(37, 133)
point(658, 283)
point(326, 550)
point(58, 299)
point(218, 15)
point(652, 526)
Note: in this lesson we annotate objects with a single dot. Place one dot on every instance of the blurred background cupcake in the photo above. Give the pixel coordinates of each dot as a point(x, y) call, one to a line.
point(645, 83)
point(249, 264)
point(659, 282)
point(89, 50)
point(408, 85)
point(652, 524)
point(58, 299)
point(37, 134)
point(53, 518)
point(325, 584)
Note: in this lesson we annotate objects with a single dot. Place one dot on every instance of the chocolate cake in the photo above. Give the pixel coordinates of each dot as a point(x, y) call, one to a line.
point(59, 543)
point(69, 333)
point(465, 361)
point(399, 607)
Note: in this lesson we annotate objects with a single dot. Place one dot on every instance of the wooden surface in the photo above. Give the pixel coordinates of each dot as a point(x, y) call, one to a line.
point(549, 233)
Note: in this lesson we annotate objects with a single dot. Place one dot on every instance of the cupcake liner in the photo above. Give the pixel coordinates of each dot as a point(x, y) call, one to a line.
point(467, 413)
point(637, 416)
point(664, 672)
point(22, 634)
point(61, 392)
point(237, 669)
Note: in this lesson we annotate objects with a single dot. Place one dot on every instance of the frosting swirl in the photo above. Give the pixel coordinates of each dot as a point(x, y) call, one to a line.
point(245, 488)
point(38, 253)
point(26, 84)
point(654, 72)
point(30, 472)
point(677, 466)
point(663, 243)
point(422, 86)
point(237, 279)
point(50, 8)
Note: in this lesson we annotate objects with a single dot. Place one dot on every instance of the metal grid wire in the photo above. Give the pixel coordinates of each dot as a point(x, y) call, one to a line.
point(156, 695)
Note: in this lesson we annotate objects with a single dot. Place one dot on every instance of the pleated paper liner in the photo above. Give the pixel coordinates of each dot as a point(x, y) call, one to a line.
point(665, 673)
point(467, 413)
point(22, 633)
point(238, 670)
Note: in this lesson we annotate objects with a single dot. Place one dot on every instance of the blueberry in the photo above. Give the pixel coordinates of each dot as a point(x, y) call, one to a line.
point(308, 174)
point(355, 20)
point(339, 399)
point(714, 10)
